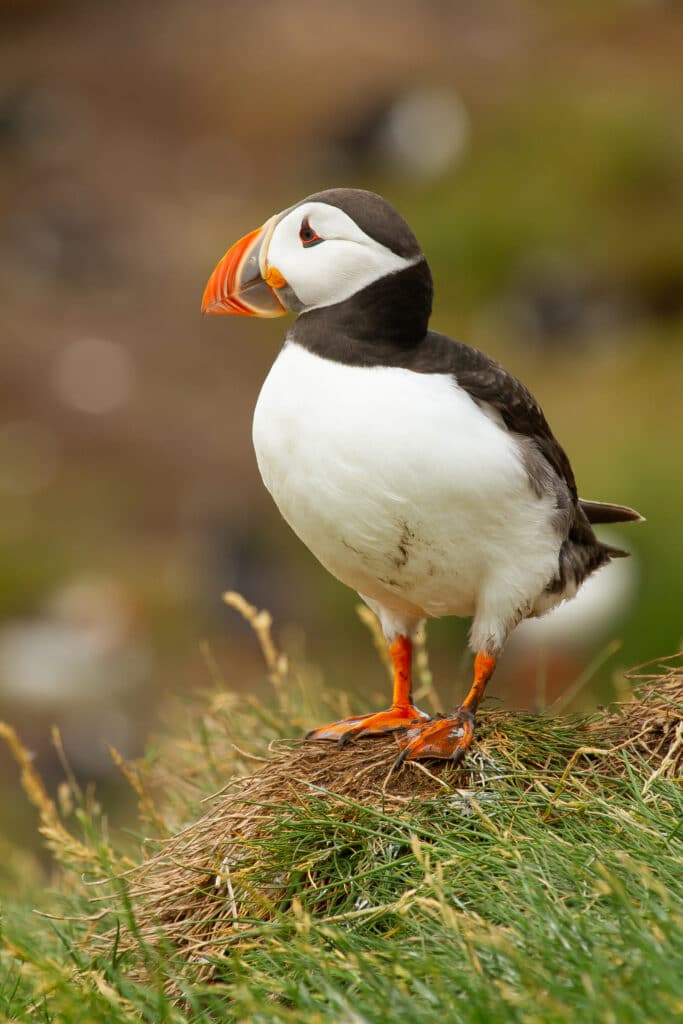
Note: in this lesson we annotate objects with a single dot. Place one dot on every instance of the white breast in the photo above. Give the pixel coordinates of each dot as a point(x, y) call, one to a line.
point(402, 486)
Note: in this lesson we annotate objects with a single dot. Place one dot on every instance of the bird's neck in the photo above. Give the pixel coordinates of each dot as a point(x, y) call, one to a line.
point(377, 326)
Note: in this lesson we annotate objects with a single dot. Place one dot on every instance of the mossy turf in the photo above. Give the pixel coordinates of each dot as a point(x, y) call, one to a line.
point(541, 881)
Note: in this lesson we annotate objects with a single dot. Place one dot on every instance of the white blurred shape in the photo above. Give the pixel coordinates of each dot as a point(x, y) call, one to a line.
point(94, 375)
point(596, 612)
point(426, 131)
point(80, 651)
point(28, 458)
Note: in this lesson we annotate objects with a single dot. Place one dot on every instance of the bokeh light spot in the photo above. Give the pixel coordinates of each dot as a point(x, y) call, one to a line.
point(94, 375)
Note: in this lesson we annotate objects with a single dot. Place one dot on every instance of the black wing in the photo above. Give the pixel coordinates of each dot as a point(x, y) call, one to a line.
point(487, 382)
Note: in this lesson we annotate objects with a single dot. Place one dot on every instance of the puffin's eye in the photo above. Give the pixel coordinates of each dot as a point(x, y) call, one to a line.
point(308, 235)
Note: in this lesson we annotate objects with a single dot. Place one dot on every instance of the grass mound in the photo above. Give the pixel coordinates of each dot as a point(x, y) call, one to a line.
point(541, 881)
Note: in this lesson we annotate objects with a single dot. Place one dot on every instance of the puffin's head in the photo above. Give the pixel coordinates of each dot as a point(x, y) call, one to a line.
point(315, 254)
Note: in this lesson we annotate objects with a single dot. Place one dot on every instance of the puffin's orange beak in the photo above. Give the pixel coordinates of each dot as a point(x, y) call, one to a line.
point(242, 282)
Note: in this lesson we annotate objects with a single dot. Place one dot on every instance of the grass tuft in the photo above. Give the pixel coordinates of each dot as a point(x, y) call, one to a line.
point(273, 880)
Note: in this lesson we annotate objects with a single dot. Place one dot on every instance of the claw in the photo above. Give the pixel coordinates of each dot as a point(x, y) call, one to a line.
point(446, 738)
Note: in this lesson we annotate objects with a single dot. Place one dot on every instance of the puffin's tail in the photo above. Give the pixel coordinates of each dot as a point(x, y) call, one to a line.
point(603, 512)
point(612, 552)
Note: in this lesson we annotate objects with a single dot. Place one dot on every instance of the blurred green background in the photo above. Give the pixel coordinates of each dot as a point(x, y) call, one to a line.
point(537, 151)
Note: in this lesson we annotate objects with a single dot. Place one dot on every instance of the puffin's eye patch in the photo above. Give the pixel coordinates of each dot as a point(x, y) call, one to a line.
point(308, 235)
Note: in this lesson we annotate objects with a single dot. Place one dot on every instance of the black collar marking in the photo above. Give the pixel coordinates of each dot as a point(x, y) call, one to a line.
point(376, 326)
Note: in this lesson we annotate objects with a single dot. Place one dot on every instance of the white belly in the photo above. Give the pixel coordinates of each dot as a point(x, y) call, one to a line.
point(400, 485)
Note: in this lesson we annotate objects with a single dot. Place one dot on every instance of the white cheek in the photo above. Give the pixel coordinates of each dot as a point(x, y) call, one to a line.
point(347, 261)
point(334, 270)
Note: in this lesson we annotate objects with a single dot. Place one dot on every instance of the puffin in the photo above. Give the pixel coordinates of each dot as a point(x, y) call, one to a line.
point(417, 470)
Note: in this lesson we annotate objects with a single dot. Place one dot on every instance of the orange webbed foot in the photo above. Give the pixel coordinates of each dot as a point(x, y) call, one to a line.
point(401, 715)
point(445, 738)
point(380, 724)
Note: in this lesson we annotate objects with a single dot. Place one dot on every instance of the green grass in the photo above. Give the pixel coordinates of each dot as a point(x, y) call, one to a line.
point(543, 884)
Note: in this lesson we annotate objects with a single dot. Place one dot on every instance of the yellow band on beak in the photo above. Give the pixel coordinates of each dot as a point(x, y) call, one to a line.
point(274, 278)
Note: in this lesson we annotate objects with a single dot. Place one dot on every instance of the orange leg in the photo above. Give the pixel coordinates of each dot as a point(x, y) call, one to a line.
point(450, 738)
point(400, 715)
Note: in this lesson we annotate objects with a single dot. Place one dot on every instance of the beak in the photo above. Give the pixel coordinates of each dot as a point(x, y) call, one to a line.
point(242, 283)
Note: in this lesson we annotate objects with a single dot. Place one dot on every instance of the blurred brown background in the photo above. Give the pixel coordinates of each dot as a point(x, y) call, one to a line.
point(536, 150)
